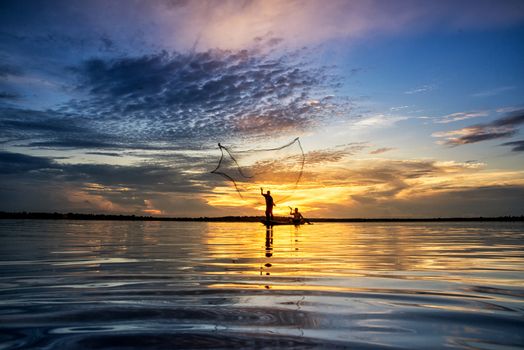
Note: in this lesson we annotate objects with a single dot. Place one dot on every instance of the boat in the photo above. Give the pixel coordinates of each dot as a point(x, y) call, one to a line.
point(280, 222)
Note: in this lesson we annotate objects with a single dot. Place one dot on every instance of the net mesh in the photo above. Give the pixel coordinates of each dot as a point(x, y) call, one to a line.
point(277, 169)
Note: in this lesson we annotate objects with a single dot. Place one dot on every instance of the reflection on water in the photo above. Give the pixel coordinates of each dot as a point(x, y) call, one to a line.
point(135, 285)
point(264, 270)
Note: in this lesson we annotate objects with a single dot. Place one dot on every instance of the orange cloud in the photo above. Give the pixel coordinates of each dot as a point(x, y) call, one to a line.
point(335, 190)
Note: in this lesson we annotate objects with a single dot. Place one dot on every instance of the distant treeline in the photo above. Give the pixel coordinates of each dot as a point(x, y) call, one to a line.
point(78, 216)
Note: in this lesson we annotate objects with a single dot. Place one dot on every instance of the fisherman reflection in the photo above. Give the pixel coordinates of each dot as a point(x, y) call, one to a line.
point(269, 242)
point(264, 270)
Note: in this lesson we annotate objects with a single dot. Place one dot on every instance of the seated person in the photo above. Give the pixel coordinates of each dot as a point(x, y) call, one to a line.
point(297, 217)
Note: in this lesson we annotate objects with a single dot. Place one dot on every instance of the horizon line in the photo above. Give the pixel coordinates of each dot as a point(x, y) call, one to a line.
point(232, 218)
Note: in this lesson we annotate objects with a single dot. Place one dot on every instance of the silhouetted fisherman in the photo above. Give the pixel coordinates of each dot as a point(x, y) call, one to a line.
point(269, 204)
point(297, 217)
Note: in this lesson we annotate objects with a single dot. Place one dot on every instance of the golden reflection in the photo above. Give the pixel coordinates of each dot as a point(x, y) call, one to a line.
point(249, 255)
point(264, 270)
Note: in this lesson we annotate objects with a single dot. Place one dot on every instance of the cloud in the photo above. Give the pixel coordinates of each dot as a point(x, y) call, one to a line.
point(461, 116)
point(108, 154)
point(5, 95)
point(378, 121)
point(9, 70)
point(483, 201)
point(381, 150)
point(102, 187)
point(333, 155)
point(393, 188)
point(7, 92)
point(76, 144)
point(181, 100)
point(420, 89)
point(25, 122)
point(161, 176)
point(15, 163)
point(198, 95)
point(494, 91)
point(373, 187)
point(234, 24)
point(50, 129)
point(500, 128)
point(398, 108)
point(98, 25)
point(42, 124)
point(518, 146)
point(169, 78)
point(511, 120)
point(351, 188)
point(509, 109)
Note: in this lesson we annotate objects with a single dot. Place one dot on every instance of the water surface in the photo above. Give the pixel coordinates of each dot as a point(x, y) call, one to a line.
point(189, 285)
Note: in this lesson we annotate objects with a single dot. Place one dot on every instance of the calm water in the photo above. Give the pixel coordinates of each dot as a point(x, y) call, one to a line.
point(157, 285)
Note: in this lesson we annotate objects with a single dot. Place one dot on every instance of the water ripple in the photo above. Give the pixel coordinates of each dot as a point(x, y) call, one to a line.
point(136, 285)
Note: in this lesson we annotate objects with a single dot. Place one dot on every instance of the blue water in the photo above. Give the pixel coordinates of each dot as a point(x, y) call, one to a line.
point(189, 285)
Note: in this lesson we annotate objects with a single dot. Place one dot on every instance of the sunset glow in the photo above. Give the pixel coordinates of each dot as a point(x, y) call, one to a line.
point(402, 109)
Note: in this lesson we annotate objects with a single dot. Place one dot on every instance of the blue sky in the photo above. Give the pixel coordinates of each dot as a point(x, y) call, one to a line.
point(403, 108)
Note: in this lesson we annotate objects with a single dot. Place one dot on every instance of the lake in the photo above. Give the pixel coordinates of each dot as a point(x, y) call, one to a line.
point(193, 285)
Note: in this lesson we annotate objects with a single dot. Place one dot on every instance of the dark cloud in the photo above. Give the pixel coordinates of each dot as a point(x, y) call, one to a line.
point(483, 201)
point(48, 129)
point(16, 163)
point(512, 119)
point(518, 146)
point(85, 142)
point(8, 69)
point(54, 129)
point(146, 176)
point(44, 125)
point(208, 94)
point(175, 100)
point(74, 144)
point(482, 135)
point(108, 154)
point(9, 95)
point(500, 128)
point(106, 187)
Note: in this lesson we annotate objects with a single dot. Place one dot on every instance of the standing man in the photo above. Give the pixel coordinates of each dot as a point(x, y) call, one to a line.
point(269, 204)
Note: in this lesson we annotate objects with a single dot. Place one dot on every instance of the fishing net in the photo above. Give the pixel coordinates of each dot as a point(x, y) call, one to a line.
point(276, 169)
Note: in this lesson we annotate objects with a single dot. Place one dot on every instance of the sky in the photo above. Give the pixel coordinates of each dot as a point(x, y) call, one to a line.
point(401, 108)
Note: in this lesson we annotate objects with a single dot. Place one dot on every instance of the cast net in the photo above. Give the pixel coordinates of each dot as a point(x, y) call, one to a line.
point(277, 169)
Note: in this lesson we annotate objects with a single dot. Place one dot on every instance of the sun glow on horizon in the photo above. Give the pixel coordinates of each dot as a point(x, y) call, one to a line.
point(331, 186)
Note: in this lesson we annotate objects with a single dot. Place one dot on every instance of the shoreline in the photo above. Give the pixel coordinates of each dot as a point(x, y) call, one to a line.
point(113, 217)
